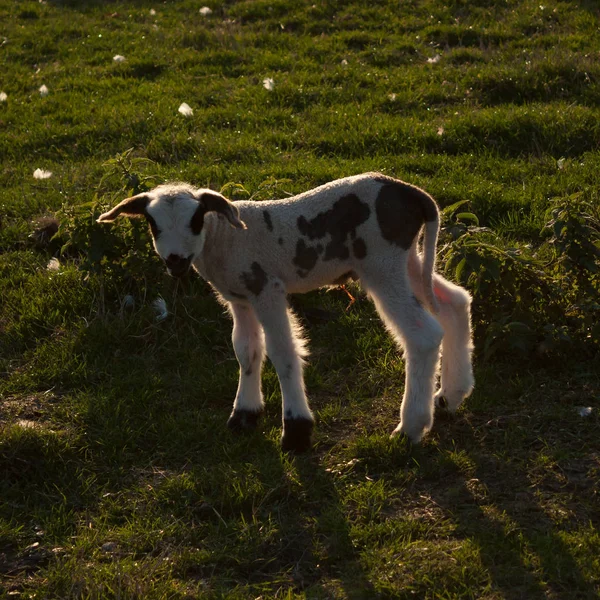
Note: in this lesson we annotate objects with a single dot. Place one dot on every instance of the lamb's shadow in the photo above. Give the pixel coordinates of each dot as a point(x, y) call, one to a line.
point(331, 547)
point(179, 437)
point(519, 545)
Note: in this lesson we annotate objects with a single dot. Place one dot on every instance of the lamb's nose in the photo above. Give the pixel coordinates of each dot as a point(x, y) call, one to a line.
point(178, 265)
point(173, 260)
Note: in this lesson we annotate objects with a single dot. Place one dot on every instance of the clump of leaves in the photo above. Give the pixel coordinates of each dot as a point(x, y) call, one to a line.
point(268, 189)
point(128, 170)
point(529, 299)
point(119, 258)
point(575, 239)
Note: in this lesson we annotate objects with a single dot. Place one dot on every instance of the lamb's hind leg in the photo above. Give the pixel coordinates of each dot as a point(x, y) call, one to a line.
point(249, 346)
point(286, 348)
point(457, 379)
point(420, 335)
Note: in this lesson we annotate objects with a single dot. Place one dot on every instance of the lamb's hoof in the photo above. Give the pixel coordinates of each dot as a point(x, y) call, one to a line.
point(243, 420)
point(441, 402)
point(450, 399)
point(414, 434)
point(297, 434)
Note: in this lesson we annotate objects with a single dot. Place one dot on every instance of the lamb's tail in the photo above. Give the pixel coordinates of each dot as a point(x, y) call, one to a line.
point(432, 227)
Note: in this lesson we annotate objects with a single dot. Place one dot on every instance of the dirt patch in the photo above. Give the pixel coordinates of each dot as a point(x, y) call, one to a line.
point(29, 410)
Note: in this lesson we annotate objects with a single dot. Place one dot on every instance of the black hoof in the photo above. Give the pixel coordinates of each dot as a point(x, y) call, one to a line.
point(297, 434)
point(442, 402)
point(243, 420)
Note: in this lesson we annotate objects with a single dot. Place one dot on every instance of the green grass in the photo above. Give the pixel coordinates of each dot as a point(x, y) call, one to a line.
point(118, 477)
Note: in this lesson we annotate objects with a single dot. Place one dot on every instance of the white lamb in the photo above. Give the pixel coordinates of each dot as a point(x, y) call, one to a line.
point(254, 254)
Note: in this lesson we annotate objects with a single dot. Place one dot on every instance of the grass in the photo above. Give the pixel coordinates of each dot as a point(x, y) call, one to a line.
point(118, 478)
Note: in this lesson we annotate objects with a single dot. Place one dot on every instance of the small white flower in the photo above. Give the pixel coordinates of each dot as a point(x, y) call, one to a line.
point(560, 163)
point(269, 84)
point(392, 97)
point(118, 58)
point(43, 90)
point(160, 306)
point(53, 264)
point(344, 63)
point(434, 60)
point(186, 110)
point(205, 11)
point(42, 174)
point(440, 131)
point(3, 96)
point(152, 12)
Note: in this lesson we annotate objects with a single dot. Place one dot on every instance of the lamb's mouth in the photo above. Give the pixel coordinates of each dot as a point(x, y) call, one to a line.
point(177, 265)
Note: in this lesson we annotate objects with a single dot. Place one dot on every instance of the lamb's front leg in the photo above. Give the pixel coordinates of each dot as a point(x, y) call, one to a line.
point(249, 346)
point(285, 348)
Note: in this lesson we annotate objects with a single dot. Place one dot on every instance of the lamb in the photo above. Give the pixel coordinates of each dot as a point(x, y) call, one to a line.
point(254, 254)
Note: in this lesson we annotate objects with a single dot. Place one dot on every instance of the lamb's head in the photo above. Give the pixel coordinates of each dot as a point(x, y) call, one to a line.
point(175, 213)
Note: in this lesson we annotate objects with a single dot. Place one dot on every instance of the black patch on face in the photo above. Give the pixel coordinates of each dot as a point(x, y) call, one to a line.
point(268, 220)
point(153, 227)
point(306, 258)
point(401, 211)
point(178, 265)
point(359, 248)
point(256, 280)
point(197, 221)
point(339, 222)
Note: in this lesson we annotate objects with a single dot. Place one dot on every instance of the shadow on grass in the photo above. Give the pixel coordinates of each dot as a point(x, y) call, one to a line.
point(495, 506)
point(338, 561)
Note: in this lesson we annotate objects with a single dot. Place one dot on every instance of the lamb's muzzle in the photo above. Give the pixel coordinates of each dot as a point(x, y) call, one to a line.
point(177, 265)
point(255, 253)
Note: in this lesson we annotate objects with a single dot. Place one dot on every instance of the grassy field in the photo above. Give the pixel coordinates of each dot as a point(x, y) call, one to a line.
point(118, 477)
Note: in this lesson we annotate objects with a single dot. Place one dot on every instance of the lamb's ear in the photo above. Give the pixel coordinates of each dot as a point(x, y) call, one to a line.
point(220, 204)
point(130, 207)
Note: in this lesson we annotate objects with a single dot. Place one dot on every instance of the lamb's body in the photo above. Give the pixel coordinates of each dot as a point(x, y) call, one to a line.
point(363, 227)
point(313, 239)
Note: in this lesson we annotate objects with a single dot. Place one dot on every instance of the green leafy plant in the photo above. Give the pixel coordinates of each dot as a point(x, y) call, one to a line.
point(118, 258)
point(529, 300)
point(128, 170)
